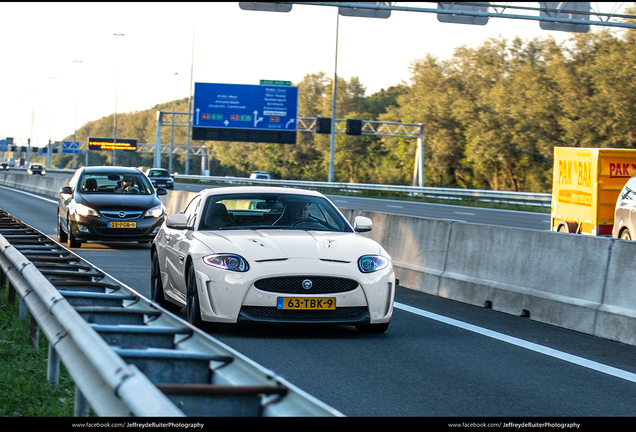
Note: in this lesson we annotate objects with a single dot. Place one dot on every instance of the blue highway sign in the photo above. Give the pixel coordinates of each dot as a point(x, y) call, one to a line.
point(228, 111)
point(71, 147)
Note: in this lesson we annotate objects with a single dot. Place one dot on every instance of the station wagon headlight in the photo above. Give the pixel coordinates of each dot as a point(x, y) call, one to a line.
point(83, 210)
point(372, 263)
point(227, 262)
point(156, 211)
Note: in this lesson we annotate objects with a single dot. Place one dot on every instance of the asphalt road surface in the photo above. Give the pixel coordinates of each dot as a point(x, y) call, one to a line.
point(439, 358)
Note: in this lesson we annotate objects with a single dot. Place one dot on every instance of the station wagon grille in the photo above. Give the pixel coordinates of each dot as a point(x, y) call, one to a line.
point(298, 284)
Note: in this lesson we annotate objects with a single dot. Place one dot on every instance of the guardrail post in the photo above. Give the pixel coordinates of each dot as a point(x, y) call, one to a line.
point(81, 404)
point(53, 367)
point(11, 293)
point(34, 333)
point(23, 309)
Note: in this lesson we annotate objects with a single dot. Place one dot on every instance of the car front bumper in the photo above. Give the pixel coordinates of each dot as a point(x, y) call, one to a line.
point(88, 228)
point(227, 296)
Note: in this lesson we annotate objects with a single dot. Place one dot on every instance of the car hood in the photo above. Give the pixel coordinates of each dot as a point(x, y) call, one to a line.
point(118, 201)
point(262, 245)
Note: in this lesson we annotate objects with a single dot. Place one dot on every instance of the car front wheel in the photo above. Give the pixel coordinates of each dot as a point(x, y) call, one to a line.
point(61, 235)
point(71, 241)
point(193, 308)
point(156, 286)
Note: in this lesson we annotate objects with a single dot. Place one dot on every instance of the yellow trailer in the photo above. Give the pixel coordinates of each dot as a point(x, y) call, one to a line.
point(585, 186)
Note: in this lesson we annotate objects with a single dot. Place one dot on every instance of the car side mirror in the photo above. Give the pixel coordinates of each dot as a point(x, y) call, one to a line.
point(66, 190)
point(177, 221)
point(162, 191)
point(362, 224)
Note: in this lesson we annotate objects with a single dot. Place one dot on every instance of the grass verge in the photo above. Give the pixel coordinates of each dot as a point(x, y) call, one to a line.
point(24, 389)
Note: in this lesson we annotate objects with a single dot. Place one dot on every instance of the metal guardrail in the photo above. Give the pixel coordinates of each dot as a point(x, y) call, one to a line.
point(488, 196)
point(543, 200)
point(126, 354)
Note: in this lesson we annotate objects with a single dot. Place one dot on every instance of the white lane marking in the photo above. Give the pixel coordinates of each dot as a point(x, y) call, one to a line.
point(580, 361)
point(464, 213)
point(599, 367)
point(30, 194)
point(394, 206)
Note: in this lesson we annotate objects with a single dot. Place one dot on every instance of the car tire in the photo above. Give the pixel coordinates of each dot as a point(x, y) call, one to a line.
point(70, 240)
point(193, 307)
point(156, 287)
point(373, 328)
point(625, 235)
point(61, 234)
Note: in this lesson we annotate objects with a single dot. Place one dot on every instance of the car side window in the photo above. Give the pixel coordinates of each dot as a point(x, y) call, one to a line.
point(628, 192)
point(73, 182)
point(192, 210)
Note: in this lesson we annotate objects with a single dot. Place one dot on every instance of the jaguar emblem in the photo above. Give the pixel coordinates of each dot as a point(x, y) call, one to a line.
point(307, 284)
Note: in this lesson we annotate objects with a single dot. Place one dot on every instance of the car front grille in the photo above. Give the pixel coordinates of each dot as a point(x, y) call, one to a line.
point(117, 214)
point(351, 315)
point(299, 284)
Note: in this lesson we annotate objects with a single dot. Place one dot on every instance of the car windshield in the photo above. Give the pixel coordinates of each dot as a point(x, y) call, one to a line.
point(158, 173)
point(271, 211)
point(107, 183)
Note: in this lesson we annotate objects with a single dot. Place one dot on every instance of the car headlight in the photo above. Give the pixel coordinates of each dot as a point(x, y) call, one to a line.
point(156, 211)
point(372, 263)
point(83, 210)
point(227, 262)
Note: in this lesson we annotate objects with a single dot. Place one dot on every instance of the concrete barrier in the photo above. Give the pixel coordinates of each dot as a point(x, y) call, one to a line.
point(577, 282)
point(43, 185)
point(616, 318)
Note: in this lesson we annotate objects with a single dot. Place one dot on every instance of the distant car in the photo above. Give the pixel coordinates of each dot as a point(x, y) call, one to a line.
point(268, 254)
point(4, 166)
point(160, 178)
point(36, 169)
point(260, 175)
point(109, 204)
point(625, 212)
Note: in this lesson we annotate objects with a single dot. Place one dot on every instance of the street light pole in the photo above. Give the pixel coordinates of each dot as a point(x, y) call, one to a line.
point(75, 121)
point(333, 106)
point(116, 91)
point(51, 127)
point(174, 96)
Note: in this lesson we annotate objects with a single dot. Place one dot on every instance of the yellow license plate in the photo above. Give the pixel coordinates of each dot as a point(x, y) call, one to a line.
point(306, 303)
point(122, 224)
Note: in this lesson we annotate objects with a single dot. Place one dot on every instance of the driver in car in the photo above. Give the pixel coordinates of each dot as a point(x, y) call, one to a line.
point(127, 186)
point(298, 211)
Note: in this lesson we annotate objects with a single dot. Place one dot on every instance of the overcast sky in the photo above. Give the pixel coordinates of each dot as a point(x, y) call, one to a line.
point(50, 52)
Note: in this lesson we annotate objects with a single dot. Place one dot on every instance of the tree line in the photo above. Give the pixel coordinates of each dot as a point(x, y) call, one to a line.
point(492, 114)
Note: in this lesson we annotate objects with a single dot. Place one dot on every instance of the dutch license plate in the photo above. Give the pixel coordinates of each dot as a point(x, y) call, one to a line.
point(306, 303)
point(122, 224)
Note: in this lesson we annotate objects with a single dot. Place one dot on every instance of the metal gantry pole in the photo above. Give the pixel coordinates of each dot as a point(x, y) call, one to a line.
point(332, 146)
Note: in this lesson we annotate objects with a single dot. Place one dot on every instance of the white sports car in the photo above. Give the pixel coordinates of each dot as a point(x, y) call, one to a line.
point(271, 254)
